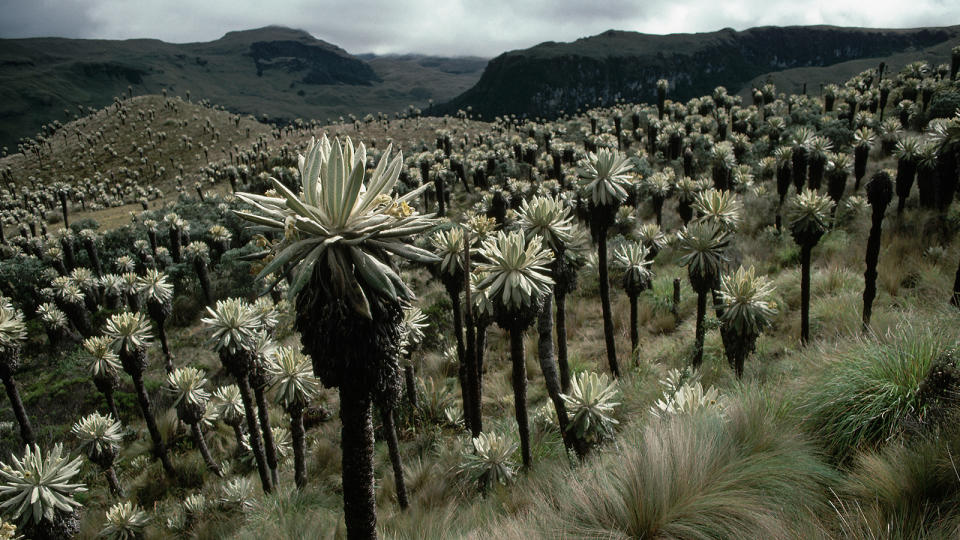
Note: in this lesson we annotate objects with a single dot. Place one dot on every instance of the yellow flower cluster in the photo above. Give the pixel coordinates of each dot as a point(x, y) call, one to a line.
point(8, 531)
point(400, 210)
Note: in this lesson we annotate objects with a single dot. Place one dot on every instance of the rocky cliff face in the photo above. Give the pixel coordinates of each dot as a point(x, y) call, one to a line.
point(318, 64)
point(552, 78)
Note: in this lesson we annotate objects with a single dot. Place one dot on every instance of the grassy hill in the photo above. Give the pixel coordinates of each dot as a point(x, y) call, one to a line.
point(171, 138)
point(277, 72)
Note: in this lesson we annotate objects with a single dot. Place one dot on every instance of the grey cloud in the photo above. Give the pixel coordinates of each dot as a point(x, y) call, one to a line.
point(44, 18)
point(447, 27)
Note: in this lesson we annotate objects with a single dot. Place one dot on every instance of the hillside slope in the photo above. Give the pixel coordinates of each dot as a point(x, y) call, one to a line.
point(792, 80)
point(273, 71)
point(552, 78)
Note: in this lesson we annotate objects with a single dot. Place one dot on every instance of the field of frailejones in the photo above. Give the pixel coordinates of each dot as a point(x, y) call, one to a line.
point(701, 319)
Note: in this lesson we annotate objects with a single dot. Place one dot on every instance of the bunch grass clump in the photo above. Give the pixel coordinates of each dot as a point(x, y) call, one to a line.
point(698, 476)
point(868, 395)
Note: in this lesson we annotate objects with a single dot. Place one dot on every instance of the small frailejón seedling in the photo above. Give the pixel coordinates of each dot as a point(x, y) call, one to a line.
point(237, 494)
point(591, 401)
point(489, 461)
point(683, 393)
point(124, 521)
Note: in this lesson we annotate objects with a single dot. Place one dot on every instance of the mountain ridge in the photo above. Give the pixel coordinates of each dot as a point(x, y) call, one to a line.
point(281, 74)
point(550, 78)
point(275, 72)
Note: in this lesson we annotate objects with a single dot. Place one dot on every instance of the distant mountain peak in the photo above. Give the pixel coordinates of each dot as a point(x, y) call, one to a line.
point(269, 33)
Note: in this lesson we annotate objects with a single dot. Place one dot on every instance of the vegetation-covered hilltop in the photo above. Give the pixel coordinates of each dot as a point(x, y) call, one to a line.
point(703, 318)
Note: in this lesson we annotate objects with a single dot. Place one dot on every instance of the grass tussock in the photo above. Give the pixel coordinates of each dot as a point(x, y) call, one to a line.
point(904, 491)
point(694, 476)
point(868, 394)
point(292, 514)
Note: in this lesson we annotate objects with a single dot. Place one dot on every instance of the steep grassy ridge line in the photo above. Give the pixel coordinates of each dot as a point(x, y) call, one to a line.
point(273, 71)
point(551, 78)
point(792, 80)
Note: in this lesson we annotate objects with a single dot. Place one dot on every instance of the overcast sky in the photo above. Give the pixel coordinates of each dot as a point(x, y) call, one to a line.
point(447, 27)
